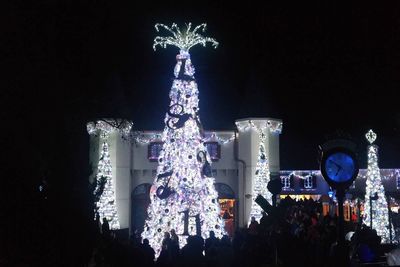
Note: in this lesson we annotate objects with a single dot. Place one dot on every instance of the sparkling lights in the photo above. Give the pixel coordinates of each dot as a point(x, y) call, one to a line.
point(105, 126)
point(106, 204)
point(262, 173)
point(183, 196)
point(184, 40)
point(261, 179)
point(144, 139)
point(274, 126)
point(375, 194)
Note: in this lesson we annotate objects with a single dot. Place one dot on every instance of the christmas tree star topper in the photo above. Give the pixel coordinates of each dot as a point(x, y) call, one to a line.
point(183, 40)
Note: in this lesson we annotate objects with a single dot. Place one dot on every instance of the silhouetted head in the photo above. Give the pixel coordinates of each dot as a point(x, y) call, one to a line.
point(105, 220)
point(167, 235)
point(172, 231)
point(145, 241)
point(212, 234)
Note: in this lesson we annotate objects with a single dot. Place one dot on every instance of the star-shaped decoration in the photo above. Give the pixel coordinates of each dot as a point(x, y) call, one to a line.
point(371, 136)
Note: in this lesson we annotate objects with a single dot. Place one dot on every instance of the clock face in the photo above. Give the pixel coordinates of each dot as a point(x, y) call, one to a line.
point(340, 167)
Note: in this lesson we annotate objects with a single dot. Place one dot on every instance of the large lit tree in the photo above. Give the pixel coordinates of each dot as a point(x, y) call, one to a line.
point(106, 204)
point(183, 196)
point(375, 194)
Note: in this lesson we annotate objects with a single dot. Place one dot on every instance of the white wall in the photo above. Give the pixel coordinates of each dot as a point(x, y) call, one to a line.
point(122, 169)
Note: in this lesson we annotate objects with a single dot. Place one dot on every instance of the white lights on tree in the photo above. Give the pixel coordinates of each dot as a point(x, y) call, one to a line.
point(375, 194)
point(106, 204)
point(183, 196)
point(261, 179)
point(262, 173)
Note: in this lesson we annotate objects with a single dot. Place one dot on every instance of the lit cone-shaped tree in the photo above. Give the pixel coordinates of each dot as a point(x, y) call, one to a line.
point(375, 194)
point(261, 179)
point(106, 204)
point(183, 196)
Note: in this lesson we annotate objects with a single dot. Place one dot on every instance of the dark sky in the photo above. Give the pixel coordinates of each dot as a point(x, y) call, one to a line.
point(320, 67)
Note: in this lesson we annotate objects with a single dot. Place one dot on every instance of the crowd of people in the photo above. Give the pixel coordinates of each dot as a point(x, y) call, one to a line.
point(293, 234)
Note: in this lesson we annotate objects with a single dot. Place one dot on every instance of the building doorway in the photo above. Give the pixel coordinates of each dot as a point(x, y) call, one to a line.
point(140, 199)
point(227, 202)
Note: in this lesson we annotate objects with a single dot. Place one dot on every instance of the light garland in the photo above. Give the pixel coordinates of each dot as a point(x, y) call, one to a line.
point(106, 204)
point(274, 126)
point(213, 136)
point(142, 138)
point(183, 196)
point(386, 174)
point(380, 216)
point(106, 126)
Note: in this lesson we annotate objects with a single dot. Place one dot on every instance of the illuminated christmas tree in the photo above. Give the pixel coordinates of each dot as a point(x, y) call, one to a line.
point(375, 194)
point(106, 204)
point(261, 179)
point(183, 196)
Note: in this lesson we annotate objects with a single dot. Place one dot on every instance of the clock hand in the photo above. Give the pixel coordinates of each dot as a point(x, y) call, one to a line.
point(339, 168)
point(337, 165)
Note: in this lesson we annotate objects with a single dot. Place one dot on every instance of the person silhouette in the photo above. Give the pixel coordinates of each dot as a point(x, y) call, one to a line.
point(253, 226)
point(148, 253)
point(174, 249)
point(105, 227)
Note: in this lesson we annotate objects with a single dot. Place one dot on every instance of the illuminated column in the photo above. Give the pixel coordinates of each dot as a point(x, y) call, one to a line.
point(255, 135)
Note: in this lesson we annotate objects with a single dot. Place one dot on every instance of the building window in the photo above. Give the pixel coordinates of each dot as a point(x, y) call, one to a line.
point(309, 182)
point(286, 182)
point(398, 181)
point(154, 150)
point(214, 150)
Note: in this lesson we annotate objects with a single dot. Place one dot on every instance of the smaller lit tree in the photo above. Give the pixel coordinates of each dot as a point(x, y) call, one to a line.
point(375, 199)
point(261, 179)
point(106, 203)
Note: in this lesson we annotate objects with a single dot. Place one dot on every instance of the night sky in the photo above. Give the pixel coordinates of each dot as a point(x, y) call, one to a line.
point(320, 67)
